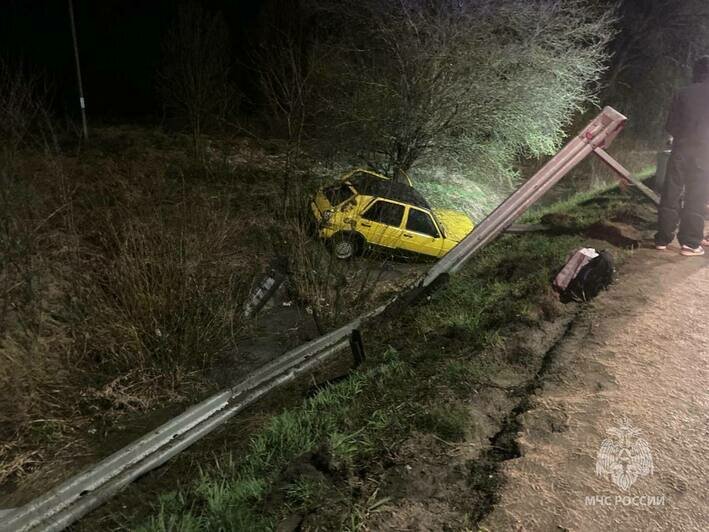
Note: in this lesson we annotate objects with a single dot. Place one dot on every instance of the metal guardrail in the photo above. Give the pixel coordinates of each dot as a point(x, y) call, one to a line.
point(598, 134)
point(72, 499)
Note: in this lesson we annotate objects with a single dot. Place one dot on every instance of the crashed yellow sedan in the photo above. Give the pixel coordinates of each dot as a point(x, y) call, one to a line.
point(365, 209)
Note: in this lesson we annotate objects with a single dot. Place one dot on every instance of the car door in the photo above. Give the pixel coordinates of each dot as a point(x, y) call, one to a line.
point(421, 234)
point(380, 223)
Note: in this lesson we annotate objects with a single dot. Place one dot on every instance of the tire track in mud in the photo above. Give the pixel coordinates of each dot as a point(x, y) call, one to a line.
point(439, 485)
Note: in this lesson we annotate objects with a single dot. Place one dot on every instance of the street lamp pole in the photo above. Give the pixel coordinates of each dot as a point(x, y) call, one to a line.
point(82, 102)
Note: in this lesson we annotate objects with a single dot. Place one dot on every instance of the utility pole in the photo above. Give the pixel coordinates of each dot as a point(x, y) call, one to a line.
point(82, 102)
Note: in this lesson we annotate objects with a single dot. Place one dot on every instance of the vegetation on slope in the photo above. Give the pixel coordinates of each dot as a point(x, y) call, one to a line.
point(122, 274)
point(324, 460)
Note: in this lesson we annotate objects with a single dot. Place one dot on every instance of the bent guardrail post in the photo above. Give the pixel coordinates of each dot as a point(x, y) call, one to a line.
point(75, 497)
point(626, 176)
point(357, 347)
point(598, 134)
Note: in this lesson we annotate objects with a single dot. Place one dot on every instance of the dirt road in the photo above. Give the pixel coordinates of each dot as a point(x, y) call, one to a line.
point(639, 357)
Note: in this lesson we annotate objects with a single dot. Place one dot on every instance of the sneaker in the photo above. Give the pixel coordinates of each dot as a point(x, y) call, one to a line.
point(692, 252)
point(660, 247)
point(705, 242)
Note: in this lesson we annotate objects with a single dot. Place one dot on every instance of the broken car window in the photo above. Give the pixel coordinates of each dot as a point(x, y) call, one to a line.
point(338, 194)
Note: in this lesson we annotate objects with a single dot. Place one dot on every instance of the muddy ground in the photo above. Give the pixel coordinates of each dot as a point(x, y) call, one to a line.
point(441, 485)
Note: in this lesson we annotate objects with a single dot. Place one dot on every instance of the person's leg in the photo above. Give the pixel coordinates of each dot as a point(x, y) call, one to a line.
point(691, 229)
point(668, 213)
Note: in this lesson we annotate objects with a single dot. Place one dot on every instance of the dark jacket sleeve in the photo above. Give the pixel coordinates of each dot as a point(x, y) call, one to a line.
point(676, 121)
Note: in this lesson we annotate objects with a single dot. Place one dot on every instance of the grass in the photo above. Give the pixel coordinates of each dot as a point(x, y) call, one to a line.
point(421, 366)
point(447, 421)
point(122, 273)
point(230, 495)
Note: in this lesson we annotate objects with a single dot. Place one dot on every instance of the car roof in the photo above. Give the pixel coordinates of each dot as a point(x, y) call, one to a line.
point(371, 185)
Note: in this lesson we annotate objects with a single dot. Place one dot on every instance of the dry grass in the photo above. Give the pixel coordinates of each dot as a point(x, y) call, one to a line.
point(122, 273)
point(593, 174)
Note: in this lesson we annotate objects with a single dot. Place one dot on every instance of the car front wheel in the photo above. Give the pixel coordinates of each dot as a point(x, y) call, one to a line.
point(345, 246)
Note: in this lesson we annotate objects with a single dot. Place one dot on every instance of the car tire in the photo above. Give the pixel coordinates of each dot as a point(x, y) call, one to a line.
point(344, 246)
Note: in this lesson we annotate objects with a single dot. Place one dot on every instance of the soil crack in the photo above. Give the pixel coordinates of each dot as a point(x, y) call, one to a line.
point(484, 472)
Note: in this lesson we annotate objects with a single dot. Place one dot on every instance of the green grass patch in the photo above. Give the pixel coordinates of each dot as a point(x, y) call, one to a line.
point(231, 496)
point(447, 421)
point(463, 374)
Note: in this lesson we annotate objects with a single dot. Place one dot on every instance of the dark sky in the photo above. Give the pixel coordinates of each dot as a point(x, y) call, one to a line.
point(119, 43)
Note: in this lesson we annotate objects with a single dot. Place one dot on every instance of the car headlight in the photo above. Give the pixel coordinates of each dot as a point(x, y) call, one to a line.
point(327, 215)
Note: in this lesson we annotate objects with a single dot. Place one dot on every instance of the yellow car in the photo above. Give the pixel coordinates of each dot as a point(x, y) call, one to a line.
point(365, 209)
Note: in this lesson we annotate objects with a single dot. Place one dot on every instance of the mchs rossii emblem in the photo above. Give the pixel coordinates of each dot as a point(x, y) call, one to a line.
point(624, 456)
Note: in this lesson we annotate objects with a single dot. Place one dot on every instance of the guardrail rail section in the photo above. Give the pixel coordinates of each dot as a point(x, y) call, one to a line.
point(70, 500)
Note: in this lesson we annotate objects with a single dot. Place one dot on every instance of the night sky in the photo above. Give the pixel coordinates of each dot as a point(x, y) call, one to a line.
point(119, 43)
point(120, 47)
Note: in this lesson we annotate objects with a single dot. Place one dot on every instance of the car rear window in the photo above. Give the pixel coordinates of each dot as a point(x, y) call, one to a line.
point(337, 194)
point(421, 222)
point(385, 212)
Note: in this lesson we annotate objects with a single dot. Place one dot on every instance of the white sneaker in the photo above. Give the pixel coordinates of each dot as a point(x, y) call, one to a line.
point(659, 247)
point(692, 252)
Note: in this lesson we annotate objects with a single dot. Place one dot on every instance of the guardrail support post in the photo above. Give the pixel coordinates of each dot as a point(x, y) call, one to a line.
point(357, 347)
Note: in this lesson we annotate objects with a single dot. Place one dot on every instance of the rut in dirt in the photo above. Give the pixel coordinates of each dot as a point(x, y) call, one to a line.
point(485, 477)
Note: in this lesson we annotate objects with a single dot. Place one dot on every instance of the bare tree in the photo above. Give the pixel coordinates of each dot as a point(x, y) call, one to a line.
point(286, 59)
point(194, 78)
point(280, 60)
point(652, 30)
point(466, 82)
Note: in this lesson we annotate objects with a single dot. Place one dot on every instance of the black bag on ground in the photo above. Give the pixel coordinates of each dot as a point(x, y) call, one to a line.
point(591, 279)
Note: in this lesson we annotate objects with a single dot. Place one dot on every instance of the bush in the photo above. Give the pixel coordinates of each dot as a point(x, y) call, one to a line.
point(24, 107)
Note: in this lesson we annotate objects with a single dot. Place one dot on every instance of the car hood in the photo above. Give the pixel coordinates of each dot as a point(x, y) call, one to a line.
point(456, 224)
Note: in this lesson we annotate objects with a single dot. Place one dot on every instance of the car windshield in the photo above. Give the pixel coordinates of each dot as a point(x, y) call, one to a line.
point(338, 194)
